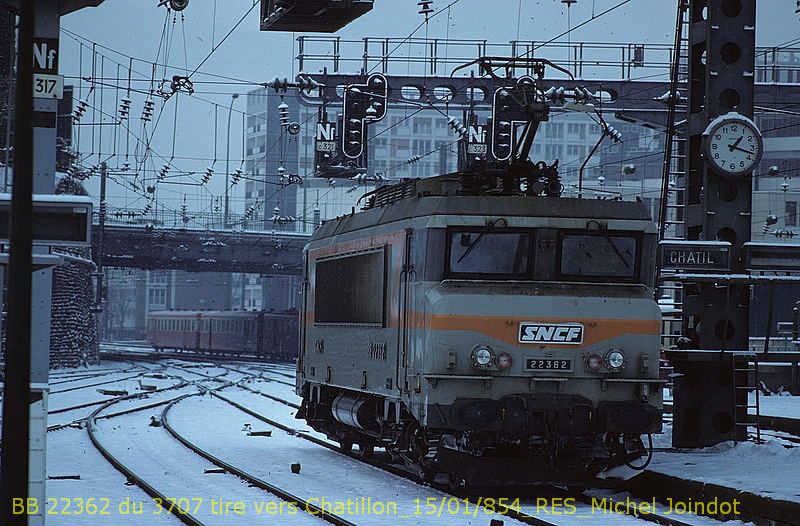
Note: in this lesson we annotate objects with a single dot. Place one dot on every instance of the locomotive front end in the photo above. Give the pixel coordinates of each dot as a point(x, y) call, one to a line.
point(540, 347)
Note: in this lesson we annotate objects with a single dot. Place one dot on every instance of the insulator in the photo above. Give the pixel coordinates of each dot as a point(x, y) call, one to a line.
point(425, 7)
point(582, 94)
point(281, 171)
point(207, 175)
point(78, 112)
point(307, 84)
point(125, 166)
point(371, 112)
point(555, 94)
point(457, 126)
point(414, 159)
point(124, 108)
point(147, 111)
point(283, 113)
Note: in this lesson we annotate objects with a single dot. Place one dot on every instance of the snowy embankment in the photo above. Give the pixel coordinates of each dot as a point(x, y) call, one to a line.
point(767, 469)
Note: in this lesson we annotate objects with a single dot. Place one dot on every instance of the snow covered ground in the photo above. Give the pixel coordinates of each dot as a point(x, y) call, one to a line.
point(768, 469)
point(217, 427)
point(785, 406)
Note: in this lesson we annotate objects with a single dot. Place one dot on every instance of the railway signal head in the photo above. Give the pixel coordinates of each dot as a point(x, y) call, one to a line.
point(363, 103)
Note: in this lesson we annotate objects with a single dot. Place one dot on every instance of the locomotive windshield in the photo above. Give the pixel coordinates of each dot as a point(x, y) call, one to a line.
point(598, 255)
point(494, 253)
point(566, 255)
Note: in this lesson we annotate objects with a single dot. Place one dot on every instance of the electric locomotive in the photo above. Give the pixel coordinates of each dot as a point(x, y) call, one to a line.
point(479, 326)
point(489, 336)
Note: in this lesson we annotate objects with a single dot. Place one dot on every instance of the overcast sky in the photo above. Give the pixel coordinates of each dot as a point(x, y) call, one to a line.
point(134, 28)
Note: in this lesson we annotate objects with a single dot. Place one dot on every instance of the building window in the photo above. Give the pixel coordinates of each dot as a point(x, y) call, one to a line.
point(554, 130)
point(553, 151)
point(422, 125)
point(399, 147)
point(157, 297)
point(576, 150)
point(791, 213)
point(576, 129)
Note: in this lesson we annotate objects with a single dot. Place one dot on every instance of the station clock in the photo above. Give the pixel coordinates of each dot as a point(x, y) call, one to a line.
point(733, 145)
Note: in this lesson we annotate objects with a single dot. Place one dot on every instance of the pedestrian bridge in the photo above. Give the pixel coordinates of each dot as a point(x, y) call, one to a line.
point(200, 250)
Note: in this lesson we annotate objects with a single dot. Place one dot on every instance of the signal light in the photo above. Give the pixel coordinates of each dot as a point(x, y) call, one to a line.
point(504, 361)
point(594, 362)
point(615, 360)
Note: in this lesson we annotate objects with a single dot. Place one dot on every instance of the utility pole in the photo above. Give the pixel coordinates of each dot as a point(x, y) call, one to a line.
point(14, 456)
point(228, 162)
point(98, 259)
point(38, 89)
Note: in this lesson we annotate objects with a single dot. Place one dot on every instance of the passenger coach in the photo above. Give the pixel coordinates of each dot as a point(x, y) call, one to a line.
point(271, 335)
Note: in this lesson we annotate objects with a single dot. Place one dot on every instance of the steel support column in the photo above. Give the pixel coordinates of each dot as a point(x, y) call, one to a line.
point(708, 407)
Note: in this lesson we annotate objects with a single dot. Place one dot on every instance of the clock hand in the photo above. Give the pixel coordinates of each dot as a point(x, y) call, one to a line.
point(743, 150)
point(735, 144)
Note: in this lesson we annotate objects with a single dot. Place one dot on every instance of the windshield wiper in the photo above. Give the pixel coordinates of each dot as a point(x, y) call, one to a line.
point(489, 227)
point(616, 250)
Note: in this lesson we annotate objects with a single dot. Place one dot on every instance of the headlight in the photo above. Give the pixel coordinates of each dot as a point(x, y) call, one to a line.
point(481, 357)
point(615, 360)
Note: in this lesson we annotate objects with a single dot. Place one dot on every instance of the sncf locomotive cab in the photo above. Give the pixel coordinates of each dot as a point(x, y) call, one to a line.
point(453, 330)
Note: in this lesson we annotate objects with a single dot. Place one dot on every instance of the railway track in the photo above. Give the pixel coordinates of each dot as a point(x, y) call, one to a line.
point(524, 514)
point(518, 514)
point(282, 494)
point(144, 395)
point(120, 466)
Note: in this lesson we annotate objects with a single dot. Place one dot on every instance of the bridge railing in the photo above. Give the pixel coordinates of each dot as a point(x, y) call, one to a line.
point(175, 219)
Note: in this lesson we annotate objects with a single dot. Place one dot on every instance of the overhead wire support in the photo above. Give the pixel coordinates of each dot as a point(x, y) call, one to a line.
point(14, 453)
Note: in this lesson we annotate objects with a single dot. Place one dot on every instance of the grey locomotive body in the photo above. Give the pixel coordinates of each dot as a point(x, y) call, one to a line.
point(494, 339)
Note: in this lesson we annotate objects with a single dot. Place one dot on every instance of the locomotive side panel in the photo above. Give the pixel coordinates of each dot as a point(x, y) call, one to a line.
point(353, 290)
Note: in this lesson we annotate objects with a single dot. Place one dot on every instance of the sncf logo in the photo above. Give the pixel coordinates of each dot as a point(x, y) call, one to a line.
point(534, 332)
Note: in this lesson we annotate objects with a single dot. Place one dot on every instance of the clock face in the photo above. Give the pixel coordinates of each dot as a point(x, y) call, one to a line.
point(734, 147)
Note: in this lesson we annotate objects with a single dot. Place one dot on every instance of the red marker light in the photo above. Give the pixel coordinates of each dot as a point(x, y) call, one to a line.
point(594, 362)
point(504, 361)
